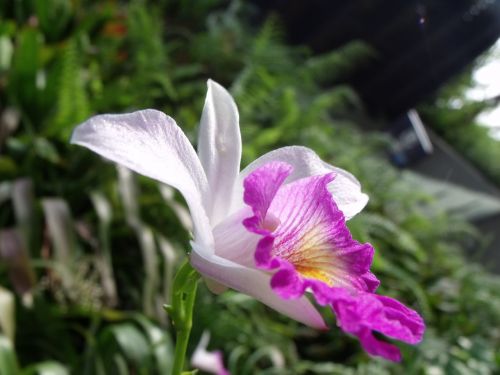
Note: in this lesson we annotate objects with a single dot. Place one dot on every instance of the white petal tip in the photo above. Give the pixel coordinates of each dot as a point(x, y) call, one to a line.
point(220, 92)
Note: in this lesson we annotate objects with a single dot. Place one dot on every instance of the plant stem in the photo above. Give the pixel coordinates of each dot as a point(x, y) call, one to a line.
point(184, 295)
point(181, 343)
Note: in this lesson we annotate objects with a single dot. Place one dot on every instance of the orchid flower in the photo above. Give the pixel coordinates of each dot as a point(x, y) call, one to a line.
point(275, 231)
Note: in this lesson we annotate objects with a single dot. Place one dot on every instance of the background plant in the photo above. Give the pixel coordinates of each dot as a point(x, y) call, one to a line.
point(453, 114)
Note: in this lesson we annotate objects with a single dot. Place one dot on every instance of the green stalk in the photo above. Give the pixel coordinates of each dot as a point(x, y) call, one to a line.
point(181, 312)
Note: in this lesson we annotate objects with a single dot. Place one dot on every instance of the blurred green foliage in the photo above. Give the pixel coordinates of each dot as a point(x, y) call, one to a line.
point(90, 250)
point(453, 114)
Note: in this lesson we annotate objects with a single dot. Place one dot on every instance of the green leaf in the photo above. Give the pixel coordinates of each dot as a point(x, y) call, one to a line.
point(6, 52)
point(104, 212)
point(8, 167)
point(5, 190)
point(127, 340)
point(8, 360)
point(72, 104)
point(46, 150)
point(7, 313)
point(46, 368)
point(23, 201)
point(161, 343)
point(53, 16)
point(62, 234)
point(14, 256)
point(22, 85)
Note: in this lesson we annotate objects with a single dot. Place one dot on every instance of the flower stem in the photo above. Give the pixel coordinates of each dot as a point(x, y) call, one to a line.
point(181, 311)
point(180, 351)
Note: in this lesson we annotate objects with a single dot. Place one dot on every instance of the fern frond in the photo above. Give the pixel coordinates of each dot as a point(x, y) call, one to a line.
point(72, 104)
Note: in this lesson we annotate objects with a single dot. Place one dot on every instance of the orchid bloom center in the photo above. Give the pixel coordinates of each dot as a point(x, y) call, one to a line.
point(296, 232)
point(304, 241)
point(302, 231)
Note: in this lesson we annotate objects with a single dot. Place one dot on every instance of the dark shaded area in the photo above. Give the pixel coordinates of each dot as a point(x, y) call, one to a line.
point(420, 44)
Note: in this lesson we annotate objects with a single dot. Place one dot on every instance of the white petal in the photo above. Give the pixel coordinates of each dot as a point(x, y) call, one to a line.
point(345, 188)
point(219, 148)
point(214, 286)
point(256, 284)
point(209, 361)
point(233, 241)
point(346, 191)
point(150, 143)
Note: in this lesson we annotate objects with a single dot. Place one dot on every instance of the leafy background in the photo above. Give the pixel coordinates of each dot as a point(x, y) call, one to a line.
point(88, 250)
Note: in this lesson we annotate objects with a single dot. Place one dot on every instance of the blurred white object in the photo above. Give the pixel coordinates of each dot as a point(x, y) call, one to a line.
point(211, 362)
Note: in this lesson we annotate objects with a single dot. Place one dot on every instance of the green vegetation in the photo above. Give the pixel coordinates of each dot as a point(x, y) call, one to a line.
point(89, 250)
point(453, 115)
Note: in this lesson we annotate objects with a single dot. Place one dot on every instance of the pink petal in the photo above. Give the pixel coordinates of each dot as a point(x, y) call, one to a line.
point(361, 313)
point(310, 237)
point(261, 188)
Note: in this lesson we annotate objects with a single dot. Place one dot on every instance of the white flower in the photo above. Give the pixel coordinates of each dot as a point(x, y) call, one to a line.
point(151, 143)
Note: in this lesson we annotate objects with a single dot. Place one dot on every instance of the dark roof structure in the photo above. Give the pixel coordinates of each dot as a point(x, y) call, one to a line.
point(420, 44)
